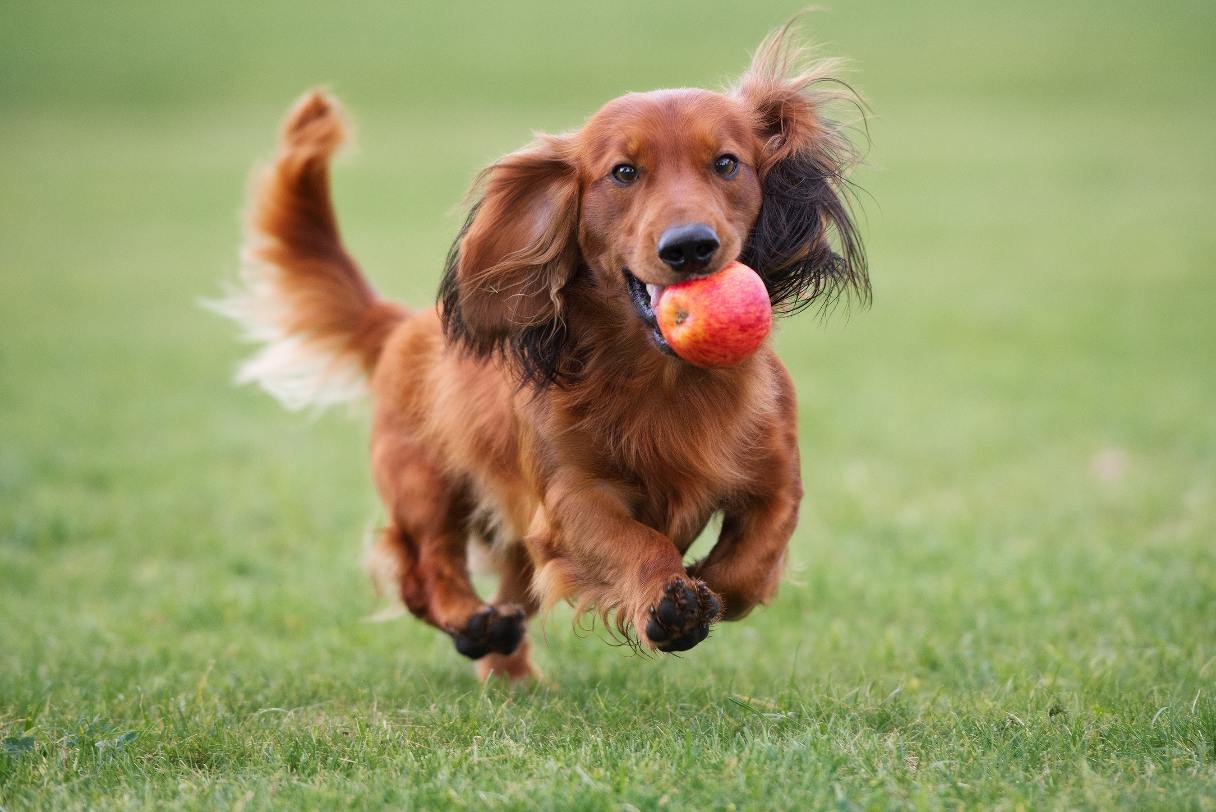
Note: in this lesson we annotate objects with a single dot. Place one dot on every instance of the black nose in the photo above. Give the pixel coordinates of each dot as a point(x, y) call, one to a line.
point(688, 248)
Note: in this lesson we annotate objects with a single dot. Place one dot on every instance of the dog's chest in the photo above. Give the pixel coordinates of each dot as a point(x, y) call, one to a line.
point(679, 464)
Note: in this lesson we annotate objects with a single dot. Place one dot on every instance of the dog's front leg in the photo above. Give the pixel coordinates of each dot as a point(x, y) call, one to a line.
point(590, 549)
point(745, 565)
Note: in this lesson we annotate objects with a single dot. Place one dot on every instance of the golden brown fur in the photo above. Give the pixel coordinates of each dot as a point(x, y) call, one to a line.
point(533, 409)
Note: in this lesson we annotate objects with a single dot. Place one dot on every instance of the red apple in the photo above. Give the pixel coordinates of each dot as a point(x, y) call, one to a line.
point(716, 320)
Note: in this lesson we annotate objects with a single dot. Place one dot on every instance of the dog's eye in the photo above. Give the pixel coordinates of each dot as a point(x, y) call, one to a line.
point(726, 165)
point(625, 174)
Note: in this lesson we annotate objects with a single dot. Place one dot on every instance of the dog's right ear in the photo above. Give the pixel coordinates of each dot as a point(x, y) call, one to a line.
point(502, 287)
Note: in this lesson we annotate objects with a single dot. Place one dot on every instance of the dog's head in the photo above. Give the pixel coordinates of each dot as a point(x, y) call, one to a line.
point(654, 188)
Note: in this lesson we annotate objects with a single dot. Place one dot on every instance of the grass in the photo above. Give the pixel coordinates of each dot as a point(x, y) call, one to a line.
point(1003, 590)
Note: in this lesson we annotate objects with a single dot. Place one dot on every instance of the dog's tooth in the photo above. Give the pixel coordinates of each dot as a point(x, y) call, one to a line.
point(654, 291)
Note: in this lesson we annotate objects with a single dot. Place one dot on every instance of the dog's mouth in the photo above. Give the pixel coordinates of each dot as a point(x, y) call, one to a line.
point(645, 298)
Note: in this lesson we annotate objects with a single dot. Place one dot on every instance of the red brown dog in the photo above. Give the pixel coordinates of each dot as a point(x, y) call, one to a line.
point(537, 409)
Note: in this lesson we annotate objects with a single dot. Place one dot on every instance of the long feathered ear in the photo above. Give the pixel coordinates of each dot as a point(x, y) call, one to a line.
point(502, 287)
point(805, 159)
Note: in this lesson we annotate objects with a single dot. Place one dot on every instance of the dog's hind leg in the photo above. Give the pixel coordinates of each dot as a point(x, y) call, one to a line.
point(515, 572)
point(428, 537)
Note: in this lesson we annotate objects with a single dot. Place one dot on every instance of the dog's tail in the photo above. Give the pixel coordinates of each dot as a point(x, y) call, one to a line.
point(302, 297)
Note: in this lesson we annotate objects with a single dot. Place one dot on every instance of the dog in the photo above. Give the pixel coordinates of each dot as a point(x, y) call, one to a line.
point(536, 410)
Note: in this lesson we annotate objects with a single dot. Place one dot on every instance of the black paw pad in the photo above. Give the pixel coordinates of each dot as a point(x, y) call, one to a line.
point(682, 616)
point(492, 629)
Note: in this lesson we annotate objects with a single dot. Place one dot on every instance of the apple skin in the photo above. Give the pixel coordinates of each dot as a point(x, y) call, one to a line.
point(717, 320)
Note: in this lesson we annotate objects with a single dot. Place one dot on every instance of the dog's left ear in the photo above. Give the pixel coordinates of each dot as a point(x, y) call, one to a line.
point(805, 156)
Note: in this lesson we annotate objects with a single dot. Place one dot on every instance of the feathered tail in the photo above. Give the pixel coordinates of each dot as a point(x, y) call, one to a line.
point(302, 297)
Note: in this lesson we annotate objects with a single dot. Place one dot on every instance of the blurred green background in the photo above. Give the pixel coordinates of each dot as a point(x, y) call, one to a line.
point(1003, 589)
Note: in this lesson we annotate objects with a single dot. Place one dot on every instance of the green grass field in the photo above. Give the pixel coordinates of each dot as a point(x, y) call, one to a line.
point(1003, 590)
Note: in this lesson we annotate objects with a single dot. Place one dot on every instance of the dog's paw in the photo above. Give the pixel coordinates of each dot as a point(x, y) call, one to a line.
point(496, 629)
point(681, 617)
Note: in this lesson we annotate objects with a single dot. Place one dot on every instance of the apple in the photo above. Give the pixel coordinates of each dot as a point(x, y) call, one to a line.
point(716, 320)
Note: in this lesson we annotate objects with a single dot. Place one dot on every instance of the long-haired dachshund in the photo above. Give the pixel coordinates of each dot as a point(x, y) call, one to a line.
point(537, 410)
